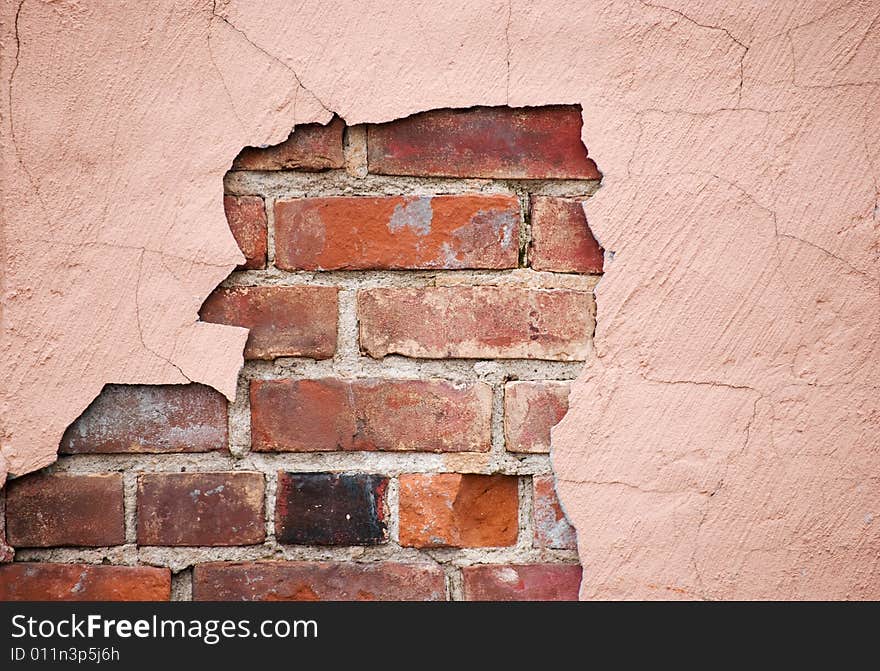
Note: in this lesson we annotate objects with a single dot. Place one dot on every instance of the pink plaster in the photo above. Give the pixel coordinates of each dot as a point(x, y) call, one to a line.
point(722, 442)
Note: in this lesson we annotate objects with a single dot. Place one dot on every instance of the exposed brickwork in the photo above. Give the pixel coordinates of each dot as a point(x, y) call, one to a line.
point(200, 509)
point(284, 321)
point(393, 232)
point(312, 147)
point(318, 581)
point(552, 529)
point(83, 582)
point(420, 295)
point(7, 552)
point(530, 582)
point(331, 509)
point(531, 409)
point(561, 238)
point(455, 510)
point(394, 415)
point(476, 323)
point(150, 418)
point(51, 510)
point(247, 221)
point(525, 143)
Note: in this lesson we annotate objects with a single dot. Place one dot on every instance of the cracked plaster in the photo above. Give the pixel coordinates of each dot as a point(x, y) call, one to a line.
point(722, 442)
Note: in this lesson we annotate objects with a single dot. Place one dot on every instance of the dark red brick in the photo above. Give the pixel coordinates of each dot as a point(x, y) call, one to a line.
point(526, 582)
point(318, 581)
point(331, 509)
point(200, 509)
point(83, 582)
point(150, 418)
point(552, 529)
point(501, 142)
point(531, 409)
point(7, 552)
point(311, 147)
point(483, 322)
point(458, 510)
point(284, 321)
point(54, 510)
point(371, 414)
point(394, 232)
point(561, 238)
point(247, 221)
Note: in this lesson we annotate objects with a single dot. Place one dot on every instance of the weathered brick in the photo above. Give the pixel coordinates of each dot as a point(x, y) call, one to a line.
point(331, 509)
point(522, 143)
point(371, 414)
point(52, 510)
point(247, 221)
point(552, 529)
point(200, 509)
point(7, 552)
point(458, 510)
point(561, 238)
point(483, 322)
point(150, 418)
point(525, 582)
point(397, 232)
point(83, 582)
point(318, 581)
point(284, 321)
point(531, 409)
point(311, 147)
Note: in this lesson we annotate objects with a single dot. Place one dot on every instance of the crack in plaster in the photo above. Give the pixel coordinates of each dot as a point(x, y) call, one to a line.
point(270, 56)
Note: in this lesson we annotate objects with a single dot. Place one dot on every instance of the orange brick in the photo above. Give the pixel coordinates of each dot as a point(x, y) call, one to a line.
point(83, 582)
point(458, 510)
point(394, 232)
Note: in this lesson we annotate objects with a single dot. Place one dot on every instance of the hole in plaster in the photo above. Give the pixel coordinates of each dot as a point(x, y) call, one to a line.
point(299, 295)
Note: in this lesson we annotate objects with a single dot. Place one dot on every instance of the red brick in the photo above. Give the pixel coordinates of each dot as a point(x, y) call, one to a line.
point(83, 582)
point(311, 147)
point(372, 414)
point(531, 409)
point(284, 321)
point(394, 232)
point(200, 509)
point(318, 581)
point(522, 143)
point(526, 582)
point(7, 552)
point(561, 238)
point(247, 221)
point(53, 510)
point(552, 529)
point(331, 509)
point(484, 322)
point(150, 418)
point(458, 510)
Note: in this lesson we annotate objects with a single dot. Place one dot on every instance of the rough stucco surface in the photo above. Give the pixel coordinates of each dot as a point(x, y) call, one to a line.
point(723, 439)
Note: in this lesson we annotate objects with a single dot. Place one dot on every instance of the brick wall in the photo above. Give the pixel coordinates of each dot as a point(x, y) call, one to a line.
point(419, 294)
